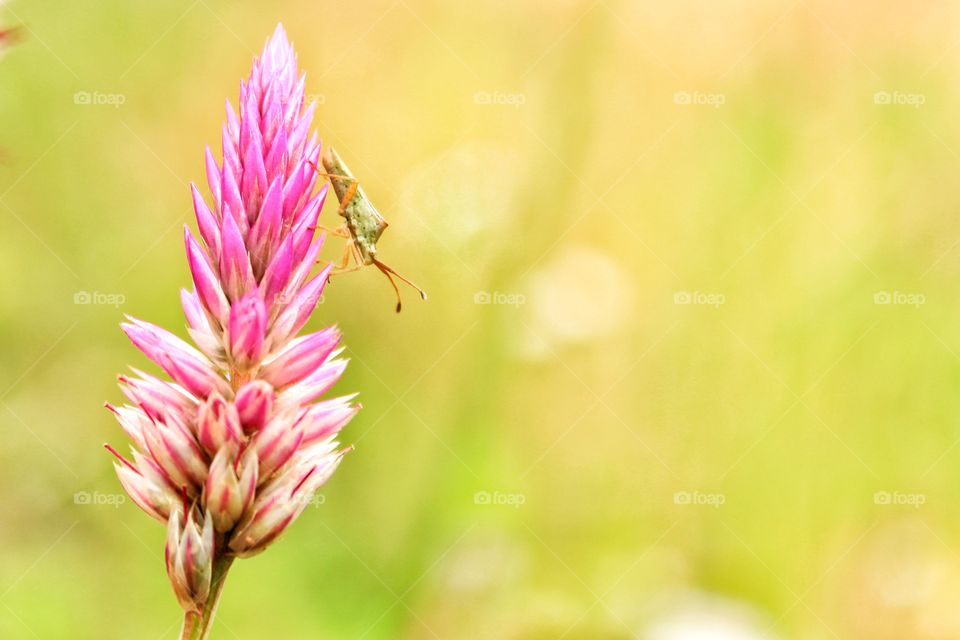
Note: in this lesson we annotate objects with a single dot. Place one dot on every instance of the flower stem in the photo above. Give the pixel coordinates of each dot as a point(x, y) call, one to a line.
point(196, 626)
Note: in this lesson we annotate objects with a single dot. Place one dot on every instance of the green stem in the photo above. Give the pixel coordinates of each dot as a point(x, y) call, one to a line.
point(191, 625)
point(196, 626)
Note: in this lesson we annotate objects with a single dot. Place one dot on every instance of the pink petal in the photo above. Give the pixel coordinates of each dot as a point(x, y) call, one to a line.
point(301, 358)
point(205, 280)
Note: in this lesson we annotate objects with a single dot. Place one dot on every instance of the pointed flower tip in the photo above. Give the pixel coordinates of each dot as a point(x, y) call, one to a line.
point(278, 45)
point(131, 331)
point(279, 40)
point(116, 454)
point(188, 238)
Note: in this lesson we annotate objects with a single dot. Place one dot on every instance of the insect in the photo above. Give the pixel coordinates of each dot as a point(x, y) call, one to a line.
point(363, 224)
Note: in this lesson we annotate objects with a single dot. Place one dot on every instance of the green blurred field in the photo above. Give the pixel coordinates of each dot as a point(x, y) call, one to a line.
point(776, 459)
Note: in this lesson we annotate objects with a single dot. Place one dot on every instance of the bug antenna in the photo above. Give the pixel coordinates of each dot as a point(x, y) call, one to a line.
point(386, 268)
point(320, 172)
point(396, 289)
point(388, 271)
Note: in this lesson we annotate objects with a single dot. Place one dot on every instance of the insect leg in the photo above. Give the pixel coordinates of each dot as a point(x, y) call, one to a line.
point(351, 190)
point(349, 249)
point(341, 232)
point(331, 176)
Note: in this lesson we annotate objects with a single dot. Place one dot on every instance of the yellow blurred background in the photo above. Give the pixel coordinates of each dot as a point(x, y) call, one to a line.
point(688, 366)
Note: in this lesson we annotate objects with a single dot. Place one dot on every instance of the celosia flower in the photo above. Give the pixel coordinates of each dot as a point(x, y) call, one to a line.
point(229, 451)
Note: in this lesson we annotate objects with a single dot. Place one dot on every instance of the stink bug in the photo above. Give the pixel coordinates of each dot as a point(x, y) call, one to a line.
point(363, 224)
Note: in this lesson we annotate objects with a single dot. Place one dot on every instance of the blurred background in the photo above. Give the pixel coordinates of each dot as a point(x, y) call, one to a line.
point(689, 362)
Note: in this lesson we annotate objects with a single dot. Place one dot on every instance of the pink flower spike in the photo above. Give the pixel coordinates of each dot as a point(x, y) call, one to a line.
point(230, 448)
